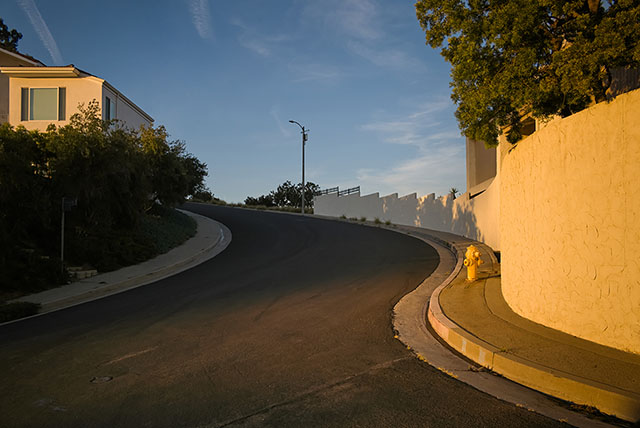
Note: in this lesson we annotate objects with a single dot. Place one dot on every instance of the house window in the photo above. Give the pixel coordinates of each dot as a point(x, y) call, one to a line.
point(109, 109)
point(43, 104)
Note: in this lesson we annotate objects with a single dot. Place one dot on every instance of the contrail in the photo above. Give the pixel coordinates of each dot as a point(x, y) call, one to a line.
point(41, 28)
point(201, 18)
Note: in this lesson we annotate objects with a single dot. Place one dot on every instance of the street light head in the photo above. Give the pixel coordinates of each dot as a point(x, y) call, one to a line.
point(291, 121)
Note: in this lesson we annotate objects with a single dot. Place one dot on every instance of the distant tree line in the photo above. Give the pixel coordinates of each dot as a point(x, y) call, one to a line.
point(286, 195)
point(118, 176)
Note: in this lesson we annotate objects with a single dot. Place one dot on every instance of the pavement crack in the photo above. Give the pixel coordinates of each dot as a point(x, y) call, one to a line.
point(131, 355)
point(315, 390)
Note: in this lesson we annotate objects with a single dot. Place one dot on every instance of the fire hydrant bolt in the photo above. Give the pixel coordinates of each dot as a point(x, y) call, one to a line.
point(472, 261)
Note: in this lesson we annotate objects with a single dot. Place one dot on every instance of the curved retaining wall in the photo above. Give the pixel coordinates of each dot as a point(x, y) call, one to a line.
point(570, 224)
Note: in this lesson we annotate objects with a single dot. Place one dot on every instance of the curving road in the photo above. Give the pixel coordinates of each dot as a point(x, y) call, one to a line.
point(289, 326)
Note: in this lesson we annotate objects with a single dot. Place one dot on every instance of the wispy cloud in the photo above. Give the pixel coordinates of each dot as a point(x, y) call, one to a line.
point(275, 113)
point(30, 8)
point(261, 44)
point(360, 25)
point(201, 18)
point(416, 128)
point(388, 58)
point(306, 72)
point(433, 172)
point(358, 18)
point(438, 157)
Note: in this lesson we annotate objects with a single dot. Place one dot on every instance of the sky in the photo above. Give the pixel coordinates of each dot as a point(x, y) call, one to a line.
point(226, 77)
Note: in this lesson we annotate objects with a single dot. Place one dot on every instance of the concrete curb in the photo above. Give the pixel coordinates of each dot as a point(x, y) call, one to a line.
point(608, 399)
point(92, 291)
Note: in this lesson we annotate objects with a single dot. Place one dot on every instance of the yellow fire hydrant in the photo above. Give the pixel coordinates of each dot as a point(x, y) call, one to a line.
point(472, 261)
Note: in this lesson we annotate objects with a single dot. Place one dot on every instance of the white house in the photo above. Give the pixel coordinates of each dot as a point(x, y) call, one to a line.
point(34, 95)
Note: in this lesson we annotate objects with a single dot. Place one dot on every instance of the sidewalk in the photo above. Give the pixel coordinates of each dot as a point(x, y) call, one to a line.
point(211, 238)
point(475, 320)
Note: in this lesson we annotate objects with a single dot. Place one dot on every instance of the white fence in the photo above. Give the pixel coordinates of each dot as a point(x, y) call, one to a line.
point(473, 214)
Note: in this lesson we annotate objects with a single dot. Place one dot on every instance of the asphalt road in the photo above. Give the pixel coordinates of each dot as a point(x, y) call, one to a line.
point(289, 326)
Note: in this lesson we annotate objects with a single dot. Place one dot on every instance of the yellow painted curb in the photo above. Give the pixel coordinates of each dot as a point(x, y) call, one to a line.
point(608, 399)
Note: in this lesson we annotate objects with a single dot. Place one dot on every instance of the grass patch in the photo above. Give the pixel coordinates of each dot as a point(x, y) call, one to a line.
point(15, 310)
point(363, 219)
point(167, 228)
point(159, 230)
point(307, 209)
point(343, 217)
point(377, 221)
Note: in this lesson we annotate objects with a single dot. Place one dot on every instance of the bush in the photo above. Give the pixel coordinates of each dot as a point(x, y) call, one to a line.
point(114, 174)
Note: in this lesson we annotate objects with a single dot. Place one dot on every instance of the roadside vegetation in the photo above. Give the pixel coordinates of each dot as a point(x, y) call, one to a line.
point(285, 198)
point(123, 185)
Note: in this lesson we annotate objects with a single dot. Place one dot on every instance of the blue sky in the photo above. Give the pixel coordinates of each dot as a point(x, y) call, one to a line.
point(226, 77)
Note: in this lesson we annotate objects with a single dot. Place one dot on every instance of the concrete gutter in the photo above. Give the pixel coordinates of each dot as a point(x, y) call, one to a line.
point(566, 386)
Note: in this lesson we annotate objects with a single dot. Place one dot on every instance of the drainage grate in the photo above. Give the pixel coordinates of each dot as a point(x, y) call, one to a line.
point(101, 379)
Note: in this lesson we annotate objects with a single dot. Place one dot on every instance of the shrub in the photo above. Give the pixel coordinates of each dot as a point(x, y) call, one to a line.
point(15, 310)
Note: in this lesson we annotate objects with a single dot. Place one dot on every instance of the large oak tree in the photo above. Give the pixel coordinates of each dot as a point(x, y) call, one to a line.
point(512, 58)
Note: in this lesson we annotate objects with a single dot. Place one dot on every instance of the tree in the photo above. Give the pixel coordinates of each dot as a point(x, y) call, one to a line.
point(286, 195)
point(115, 174)
point(519, 57)
point(9, 38)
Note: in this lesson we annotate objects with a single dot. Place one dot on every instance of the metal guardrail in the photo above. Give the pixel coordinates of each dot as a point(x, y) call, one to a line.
point(345, 192)
point(327, 191)
point(349, 191)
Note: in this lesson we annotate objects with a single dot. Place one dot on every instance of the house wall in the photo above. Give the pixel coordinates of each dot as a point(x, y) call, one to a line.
point(8, 60)
point(4, 98)
point(481, 163)
point(125, 112)
point(79, 90)
point(569, 206)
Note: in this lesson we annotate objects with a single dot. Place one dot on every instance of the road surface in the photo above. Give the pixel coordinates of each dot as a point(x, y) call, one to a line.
point(289, 327)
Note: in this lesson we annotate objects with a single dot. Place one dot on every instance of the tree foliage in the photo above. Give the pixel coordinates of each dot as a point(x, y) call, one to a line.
point(116, 174)
point(9, 38)
point(286, 195)
point(511, 58)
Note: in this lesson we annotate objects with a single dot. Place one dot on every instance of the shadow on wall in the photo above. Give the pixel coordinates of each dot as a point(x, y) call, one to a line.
point(444, 213)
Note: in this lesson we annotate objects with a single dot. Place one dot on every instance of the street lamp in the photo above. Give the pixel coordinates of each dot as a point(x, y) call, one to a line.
point(304, 140)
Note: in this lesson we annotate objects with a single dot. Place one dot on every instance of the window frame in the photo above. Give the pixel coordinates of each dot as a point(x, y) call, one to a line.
point(26, 110)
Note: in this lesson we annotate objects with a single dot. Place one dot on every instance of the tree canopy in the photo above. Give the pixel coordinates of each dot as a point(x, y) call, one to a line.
point(9, 38)
point(512, 58)
point(286, 195)
point(120, 178)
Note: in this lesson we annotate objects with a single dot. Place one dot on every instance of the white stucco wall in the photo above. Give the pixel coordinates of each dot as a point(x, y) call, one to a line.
point(82, 89)
point(570, 208)
point(126, 113)
point(475, 218)
point(78, 90)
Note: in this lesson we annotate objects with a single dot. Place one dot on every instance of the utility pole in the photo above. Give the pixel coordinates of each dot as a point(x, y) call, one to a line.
point(304, 141)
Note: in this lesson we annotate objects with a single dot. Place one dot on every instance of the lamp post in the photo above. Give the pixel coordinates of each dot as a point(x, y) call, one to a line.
point(304, 140)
